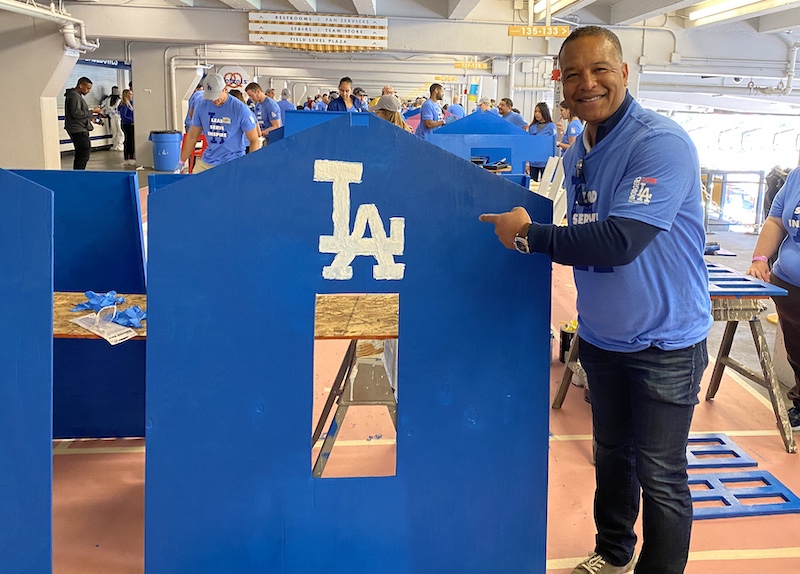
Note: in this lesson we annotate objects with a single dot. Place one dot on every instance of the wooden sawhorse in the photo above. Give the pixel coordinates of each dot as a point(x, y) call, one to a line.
point(733, 310)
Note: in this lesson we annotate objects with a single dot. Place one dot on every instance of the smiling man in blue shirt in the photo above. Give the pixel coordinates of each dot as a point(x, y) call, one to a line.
point(635, 240)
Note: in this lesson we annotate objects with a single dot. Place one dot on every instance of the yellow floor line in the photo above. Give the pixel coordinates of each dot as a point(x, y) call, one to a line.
point(703, 556)
point(100, 450)
point(362, 442)
point(757, 432)
point(62, 446)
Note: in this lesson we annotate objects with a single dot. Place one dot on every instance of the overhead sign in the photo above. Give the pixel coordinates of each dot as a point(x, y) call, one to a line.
point(318, 32)
point(447, 78)
point(539, 31)
point(472, 65)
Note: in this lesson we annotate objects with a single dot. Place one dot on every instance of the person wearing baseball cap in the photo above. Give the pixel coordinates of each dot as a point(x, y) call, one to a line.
point(388, 108)
point(285, 104)
point(484, 105)
point(224, 121)
point(361, 98)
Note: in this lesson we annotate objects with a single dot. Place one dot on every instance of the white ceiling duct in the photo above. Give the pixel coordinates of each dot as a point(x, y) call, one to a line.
point(74, 30)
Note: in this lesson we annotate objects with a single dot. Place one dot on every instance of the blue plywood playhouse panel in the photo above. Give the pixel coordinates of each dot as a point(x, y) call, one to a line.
point(726, 282)
point(732, 488)
point(297, 121)
point(233, 276)
point(716, 450)
point(98, 230)
point(26, 332)
point(482, 123)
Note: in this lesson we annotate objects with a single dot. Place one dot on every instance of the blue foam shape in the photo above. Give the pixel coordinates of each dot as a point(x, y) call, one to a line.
point(724, 446)
point(99, 243)
point(720, 489)
point(26, 358)
point(466, 498)
point(726, 282)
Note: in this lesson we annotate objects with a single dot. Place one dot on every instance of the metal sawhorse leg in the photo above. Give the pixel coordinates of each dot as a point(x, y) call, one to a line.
point(572, 367)
point(733, 310)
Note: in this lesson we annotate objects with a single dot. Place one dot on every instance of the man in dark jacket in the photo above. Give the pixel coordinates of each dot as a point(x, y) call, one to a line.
point(78, 119)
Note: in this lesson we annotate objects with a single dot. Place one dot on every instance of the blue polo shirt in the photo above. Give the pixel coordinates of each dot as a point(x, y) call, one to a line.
point(224, 127)
point(430, 111)
point(645, 168)
point(786, 207)
point(320, 106)
point(457, 110)
point(516, 119)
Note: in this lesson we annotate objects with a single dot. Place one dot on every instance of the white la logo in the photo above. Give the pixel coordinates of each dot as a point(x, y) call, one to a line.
point(348, 246)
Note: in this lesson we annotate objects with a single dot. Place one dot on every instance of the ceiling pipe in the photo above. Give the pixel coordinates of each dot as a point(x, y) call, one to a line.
point(781, 89)
point(74, 30)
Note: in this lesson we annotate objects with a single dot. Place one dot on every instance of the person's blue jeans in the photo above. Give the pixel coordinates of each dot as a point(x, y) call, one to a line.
point(642, 406)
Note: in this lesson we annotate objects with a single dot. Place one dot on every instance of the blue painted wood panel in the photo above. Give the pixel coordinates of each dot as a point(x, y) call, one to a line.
point(726, 282)
point(234, 271)
point(517, 149)
point(98, 230)
point(26, 369)
point(736, 491)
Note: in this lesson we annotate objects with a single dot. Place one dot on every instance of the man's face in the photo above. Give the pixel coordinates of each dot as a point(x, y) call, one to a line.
point(437, 94)
point(221, 99)
point(255, 95)
point(84, 88)
point(484, 106)
point(594, 78)
point(325, 98)
point(270, 93)
point(503, 108)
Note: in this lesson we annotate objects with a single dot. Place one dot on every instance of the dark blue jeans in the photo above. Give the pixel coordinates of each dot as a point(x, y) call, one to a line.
point(642, 406)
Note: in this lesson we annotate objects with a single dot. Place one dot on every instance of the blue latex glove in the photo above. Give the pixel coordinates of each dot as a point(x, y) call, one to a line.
point(131, 317)
point(97, 301)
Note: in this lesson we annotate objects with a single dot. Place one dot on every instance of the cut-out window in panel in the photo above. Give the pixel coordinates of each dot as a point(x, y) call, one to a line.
point(354, 416)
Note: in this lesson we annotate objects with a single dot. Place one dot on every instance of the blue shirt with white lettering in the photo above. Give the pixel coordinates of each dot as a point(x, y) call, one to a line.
point(786, 207)
point(224, 126)
point(430, 111)
point(647, 169)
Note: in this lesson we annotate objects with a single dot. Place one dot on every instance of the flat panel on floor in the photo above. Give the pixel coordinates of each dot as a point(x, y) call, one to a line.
point(734, 494)
point(716, 450)
point(99, 243)
point(234, 274)
point(26, 370)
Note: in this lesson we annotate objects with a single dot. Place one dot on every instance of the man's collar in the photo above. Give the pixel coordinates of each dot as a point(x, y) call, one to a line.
point(604, 128)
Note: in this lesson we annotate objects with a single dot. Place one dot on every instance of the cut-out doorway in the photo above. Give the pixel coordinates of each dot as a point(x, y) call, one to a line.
point(354, 413)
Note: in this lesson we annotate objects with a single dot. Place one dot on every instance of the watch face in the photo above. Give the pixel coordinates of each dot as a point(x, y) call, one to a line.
point(521, 244)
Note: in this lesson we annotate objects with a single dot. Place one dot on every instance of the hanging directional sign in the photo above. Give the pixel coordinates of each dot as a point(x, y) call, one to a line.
point(318, 32)
point(539, 31)
point(472, 65)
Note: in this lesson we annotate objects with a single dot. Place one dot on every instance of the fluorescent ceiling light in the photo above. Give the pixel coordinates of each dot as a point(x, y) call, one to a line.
point(710, 12)
point(719, 8)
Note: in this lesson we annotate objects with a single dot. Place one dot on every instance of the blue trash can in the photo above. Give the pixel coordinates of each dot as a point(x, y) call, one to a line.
point(166, 149)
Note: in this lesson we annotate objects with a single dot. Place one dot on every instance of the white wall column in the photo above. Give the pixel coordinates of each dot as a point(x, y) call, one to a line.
point(34, 60)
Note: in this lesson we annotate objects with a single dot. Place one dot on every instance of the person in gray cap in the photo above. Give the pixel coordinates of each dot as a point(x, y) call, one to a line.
point(388, 107)
point(224, 120)
point(285, 103)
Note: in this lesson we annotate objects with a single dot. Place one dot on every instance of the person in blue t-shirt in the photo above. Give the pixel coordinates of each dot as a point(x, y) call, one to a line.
point(506, 109)
point(431, 116)
point(196, 96)
point(223, 119)
point(635, 240)
point(456, 108)
point(266, 109)
point(285, 104)
point(542, 125)
point(346, 101)
point(781, 235)
point(574, 128)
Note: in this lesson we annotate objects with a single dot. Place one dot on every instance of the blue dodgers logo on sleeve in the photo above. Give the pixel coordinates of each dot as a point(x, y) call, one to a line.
point(641, 191)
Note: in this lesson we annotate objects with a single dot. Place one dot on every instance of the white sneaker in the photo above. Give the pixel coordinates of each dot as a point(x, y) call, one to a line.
point(596, 564)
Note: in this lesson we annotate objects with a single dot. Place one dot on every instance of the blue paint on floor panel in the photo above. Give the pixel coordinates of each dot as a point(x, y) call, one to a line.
point(716, 450)
point(721, 487)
